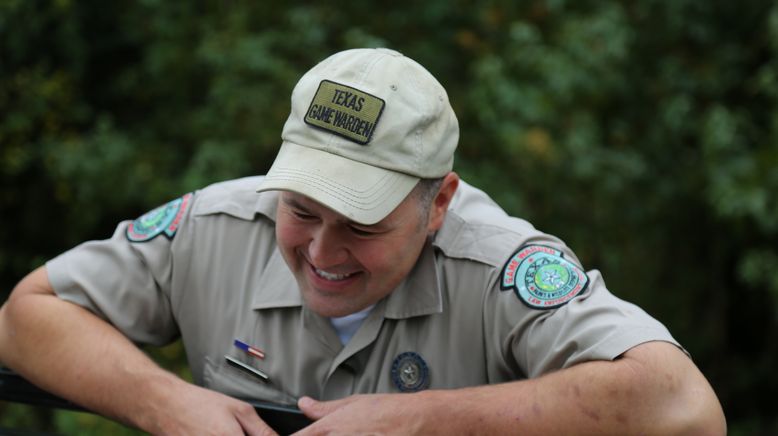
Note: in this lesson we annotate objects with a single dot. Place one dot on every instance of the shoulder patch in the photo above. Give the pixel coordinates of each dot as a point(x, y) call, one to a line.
point(542, 278)
point(162, 220)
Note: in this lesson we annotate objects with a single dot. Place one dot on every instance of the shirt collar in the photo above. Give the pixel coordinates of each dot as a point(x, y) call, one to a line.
point(267, 204)
point(277, 286)
point(419, 294)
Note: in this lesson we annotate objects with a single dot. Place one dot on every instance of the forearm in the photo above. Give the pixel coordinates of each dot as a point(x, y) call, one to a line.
point(67, 350)
point(654, 390)
point(70, 352)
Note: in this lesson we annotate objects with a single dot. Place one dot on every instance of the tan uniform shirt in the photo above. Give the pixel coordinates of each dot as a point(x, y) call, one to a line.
point(221, 278)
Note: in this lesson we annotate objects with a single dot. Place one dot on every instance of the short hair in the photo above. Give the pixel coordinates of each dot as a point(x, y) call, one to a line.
point(425, 192)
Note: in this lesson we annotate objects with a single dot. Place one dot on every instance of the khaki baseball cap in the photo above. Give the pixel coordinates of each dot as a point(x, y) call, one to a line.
point(365, 126)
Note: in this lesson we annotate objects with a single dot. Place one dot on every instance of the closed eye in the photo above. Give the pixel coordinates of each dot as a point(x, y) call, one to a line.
point(359, 231)
point(301, 215)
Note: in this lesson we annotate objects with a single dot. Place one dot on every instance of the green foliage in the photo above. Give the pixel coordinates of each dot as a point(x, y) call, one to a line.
point(642, 133)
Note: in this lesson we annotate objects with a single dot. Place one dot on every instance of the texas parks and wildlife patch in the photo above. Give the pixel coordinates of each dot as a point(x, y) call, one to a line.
point(542, 278)
point(163, 220)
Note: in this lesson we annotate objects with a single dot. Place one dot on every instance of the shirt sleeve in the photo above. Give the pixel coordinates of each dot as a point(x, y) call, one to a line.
point(125, 280)
point(594, 325)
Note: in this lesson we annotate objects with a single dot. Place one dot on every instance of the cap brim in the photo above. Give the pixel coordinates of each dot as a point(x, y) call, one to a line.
point(362, 193)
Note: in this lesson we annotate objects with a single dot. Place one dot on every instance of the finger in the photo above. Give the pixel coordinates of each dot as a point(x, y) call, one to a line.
point(252, 424)
point(318, 409)
point(311, 408)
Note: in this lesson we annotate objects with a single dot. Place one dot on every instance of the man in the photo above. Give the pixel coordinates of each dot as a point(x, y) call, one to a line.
point(365, 283)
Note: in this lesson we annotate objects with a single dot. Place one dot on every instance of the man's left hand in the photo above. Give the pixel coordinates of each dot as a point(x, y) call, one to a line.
point(400, 414)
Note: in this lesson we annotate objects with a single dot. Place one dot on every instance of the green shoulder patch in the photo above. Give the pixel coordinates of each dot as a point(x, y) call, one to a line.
point(162, 220)
point(345, 111)
point(542, 278)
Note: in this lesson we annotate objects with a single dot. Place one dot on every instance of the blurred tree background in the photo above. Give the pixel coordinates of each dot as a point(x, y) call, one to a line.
point(645, 134)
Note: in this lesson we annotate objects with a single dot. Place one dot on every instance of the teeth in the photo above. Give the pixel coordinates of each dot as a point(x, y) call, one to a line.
point(330, 276)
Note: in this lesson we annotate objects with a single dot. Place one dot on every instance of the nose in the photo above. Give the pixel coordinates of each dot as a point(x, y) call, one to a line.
point(326, 248)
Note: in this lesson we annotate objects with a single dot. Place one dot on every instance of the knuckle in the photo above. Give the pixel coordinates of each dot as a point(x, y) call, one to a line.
point(245, 408)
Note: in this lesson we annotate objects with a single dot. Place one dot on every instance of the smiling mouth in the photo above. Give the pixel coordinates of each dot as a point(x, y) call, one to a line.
point(330, 276)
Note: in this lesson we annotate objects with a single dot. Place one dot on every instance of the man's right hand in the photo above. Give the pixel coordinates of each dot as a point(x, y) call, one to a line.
point(70, 352)
point(201, 411)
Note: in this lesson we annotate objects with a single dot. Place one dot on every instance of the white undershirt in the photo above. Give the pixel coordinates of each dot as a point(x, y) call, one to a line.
point(347, 325)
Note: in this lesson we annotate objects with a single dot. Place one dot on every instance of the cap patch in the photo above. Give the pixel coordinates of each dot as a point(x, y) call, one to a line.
point(345, 111)
point(542, 278)
point(162, 220)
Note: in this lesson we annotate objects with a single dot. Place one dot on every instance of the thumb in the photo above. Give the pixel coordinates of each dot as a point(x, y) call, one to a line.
point(319, 409)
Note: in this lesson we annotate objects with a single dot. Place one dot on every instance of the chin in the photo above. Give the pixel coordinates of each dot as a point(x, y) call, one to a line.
point(326, 308)
point(330, 312)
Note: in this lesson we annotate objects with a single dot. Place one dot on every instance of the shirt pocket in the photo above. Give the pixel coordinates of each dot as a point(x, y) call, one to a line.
point(222, 377)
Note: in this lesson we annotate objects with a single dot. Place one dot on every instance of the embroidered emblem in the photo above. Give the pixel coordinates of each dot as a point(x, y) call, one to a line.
point(410, 372)
point(162, 220)
point(345, 111)
point(542, 278)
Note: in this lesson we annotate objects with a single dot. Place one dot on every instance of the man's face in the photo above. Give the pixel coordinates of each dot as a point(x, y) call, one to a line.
point(342, 267)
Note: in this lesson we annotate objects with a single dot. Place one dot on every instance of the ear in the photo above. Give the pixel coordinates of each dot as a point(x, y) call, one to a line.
point(443, 198)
